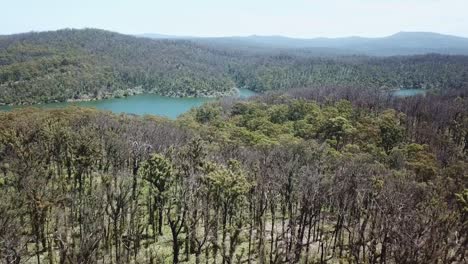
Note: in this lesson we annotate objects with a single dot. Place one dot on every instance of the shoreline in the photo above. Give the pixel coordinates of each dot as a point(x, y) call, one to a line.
point(124, 94)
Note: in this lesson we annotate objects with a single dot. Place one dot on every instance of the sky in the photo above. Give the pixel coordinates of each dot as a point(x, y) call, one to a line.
point(294, 18)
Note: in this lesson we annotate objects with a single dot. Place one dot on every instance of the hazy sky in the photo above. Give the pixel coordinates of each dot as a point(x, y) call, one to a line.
point(296, 18)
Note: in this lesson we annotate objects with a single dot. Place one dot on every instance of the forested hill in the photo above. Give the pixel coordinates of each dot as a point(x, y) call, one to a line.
point(92, 64)
point(64, 64)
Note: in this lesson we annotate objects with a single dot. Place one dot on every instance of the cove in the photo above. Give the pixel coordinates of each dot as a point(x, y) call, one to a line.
point(143, 104)
point(408, 92)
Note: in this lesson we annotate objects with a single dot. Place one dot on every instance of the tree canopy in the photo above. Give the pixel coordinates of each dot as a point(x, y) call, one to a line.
point(311, 176)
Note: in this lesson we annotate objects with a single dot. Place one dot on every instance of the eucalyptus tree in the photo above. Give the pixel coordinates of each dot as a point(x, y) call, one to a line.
point(228, 187)
point(158, 172)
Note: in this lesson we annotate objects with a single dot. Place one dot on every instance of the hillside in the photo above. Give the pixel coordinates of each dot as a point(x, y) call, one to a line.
point(94, 64)
point(80, 64)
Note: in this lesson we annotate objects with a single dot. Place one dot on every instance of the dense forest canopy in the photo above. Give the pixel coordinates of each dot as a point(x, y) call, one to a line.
point(88, 64)
point(329, 174)
point(73, 64)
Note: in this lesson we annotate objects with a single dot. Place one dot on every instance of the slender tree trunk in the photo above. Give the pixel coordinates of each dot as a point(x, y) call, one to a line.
point(160, 220)
point(272, 232)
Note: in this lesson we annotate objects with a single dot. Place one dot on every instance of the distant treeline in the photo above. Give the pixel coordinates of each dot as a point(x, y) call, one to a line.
point(90, 63)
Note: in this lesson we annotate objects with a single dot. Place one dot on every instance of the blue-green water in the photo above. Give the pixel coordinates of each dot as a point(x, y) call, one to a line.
point(143, 104)
point(408, 92)
point(246, 93)
point(166, 106)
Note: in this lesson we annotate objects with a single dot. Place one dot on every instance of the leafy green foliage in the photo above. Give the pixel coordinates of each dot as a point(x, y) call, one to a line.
point(158, 171)
point(228, 184)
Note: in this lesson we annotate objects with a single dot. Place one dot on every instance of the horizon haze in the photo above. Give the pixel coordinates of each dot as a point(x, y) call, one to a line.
point(209, 18)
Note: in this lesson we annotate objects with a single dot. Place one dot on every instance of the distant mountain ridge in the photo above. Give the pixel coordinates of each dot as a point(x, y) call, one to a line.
point(402, 43)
